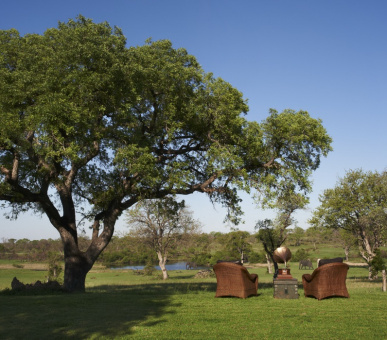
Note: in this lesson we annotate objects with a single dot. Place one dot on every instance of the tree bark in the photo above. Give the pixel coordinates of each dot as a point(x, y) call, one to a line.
point(269, 270)
point(275, 269)
point(366, 250)
point(275, 265)
point(367, 254)
point(76, 269)
point(79, 263)
point(162, 264)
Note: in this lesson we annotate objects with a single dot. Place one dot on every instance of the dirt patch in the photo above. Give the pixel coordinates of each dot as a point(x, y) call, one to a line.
point(41, 266)
point(29, 266)
point(356, 264)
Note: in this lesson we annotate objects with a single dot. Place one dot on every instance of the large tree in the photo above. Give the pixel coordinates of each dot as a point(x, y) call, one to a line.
point(358, 205)
point(89, 127)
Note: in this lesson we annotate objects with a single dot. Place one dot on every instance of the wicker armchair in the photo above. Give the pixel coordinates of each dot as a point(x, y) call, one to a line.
point(326, 281)
point(234, 280)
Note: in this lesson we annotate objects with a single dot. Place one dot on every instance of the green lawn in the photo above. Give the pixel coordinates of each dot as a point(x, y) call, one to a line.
point(122, 305)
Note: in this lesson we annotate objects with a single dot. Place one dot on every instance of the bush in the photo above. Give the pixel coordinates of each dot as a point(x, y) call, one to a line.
point(378, 263)
point(202, 259)
point(149, 268)
point(17, 265)
point(300, 254)
point(55, 270)
point(257, 257)
point(125, 258)
point(224, 256)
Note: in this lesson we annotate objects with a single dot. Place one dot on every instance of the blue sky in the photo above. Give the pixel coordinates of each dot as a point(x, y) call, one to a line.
point(326, 57)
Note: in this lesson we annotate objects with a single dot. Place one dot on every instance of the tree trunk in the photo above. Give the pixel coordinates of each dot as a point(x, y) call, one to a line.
point(162, 263)
point(76, 269)
point(275, 266)
point(366, 251)
point(367, 256)
point(269, 270)
point(384, 286)
point(77, 262)
point(275, 270)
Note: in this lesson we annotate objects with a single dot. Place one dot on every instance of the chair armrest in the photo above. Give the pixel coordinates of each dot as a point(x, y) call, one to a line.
point(307, 277)
point(253, 277)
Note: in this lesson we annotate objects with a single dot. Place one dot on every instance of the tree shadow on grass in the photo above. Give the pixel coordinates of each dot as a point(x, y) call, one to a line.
point(265, 285)
point(104, 311)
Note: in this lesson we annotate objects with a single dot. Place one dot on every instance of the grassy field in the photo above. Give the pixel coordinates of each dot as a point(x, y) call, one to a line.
point(122, 305)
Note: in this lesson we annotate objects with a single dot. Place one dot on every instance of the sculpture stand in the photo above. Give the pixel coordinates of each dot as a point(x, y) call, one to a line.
point(284, 274)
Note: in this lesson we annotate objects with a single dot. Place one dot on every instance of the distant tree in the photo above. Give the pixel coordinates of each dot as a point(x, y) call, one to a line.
point(300, 254)
point(239, 241)
point(295, 235)
point(358, 205)
point(314, 235)
point(90, 127)
point(22, 243)
point(11, 244)
point(161, 224)
point(55, 270)
point(196, 247)
point(347, 241)
point(127, 250)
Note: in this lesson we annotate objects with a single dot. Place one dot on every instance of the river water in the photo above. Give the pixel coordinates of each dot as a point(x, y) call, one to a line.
point(170, 266)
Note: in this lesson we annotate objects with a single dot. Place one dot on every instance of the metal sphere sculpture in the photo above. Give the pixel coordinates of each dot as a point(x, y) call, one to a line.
point(282, 255)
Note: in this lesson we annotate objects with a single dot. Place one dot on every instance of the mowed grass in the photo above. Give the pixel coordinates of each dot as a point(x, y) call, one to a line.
point(122, 305)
